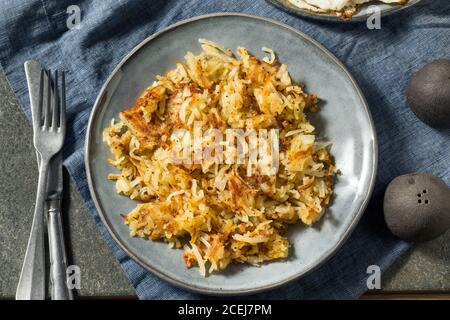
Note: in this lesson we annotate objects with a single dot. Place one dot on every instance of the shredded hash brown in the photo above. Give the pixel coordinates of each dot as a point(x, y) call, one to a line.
point(218, 213)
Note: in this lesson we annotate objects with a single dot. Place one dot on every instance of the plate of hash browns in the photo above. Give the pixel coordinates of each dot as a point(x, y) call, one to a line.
point(342, 10)
point(226, 161)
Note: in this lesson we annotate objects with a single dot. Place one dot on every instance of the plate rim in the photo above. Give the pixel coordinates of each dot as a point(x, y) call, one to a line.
point(332, 18)
point(224, 292)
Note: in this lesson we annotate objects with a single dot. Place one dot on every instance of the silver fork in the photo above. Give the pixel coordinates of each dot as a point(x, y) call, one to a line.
point(49, 132)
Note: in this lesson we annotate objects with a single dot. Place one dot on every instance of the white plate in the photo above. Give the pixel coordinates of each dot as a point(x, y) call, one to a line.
point(362, 15)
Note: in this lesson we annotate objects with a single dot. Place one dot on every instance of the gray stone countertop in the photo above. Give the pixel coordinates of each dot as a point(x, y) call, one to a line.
point(425, 268)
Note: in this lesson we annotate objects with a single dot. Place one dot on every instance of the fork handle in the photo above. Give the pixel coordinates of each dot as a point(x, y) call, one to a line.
point(32, 283)
point(58, 258)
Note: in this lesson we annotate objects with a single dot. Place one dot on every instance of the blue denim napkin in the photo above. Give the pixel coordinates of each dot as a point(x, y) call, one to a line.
point(381, 61)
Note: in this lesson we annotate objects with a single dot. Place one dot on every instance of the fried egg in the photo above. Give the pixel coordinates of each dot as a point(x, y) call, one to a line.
point(334, 5)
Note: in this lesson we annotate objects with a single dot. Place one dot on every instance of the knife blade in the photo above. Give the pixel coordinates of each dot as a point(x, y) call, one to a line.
point(33, 73)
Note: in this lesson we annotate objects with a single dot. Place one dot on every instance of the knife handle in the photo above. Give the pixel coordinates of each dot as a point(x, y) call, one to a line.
point(57, 251)
point(32, 277)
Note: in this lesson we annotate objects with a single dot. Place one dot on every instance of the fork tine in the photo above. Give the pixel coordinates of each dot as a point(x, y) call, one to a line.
point(49, 99)
point(38, 117)
point(55, 110)
point(62, 111)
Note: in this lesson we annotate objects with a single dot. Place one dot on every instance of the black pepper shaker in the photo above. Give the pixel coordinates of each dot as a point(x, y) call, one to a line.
point(417, 207)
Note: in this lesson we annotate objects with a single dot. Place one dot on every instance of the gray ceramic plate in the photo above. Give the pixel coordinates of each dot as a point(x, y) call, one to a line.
point(344, 119)
point(362, 15)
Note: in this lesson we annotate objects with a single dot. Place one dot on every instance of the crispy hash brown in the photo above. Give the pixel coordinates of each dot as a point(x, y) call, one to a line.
point(217, 211)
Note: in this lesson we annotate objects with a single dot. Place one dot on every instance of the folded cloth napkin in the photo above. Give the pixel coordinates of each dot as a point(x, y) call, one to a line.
point(381, 60)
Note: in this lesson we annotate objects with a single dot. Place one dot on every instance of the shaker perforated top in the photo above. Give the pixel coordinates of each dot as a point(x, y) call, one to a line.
point(417, 207)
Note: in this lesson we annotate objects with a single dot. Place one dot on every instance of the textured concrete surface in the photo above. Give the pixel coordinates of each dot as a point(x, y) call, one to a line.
point(425, 267)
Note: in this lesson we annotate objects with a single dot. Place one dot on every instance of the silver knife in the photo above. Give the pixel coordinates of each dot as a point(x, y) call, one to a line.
point(58, 260)
point(32, 281)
